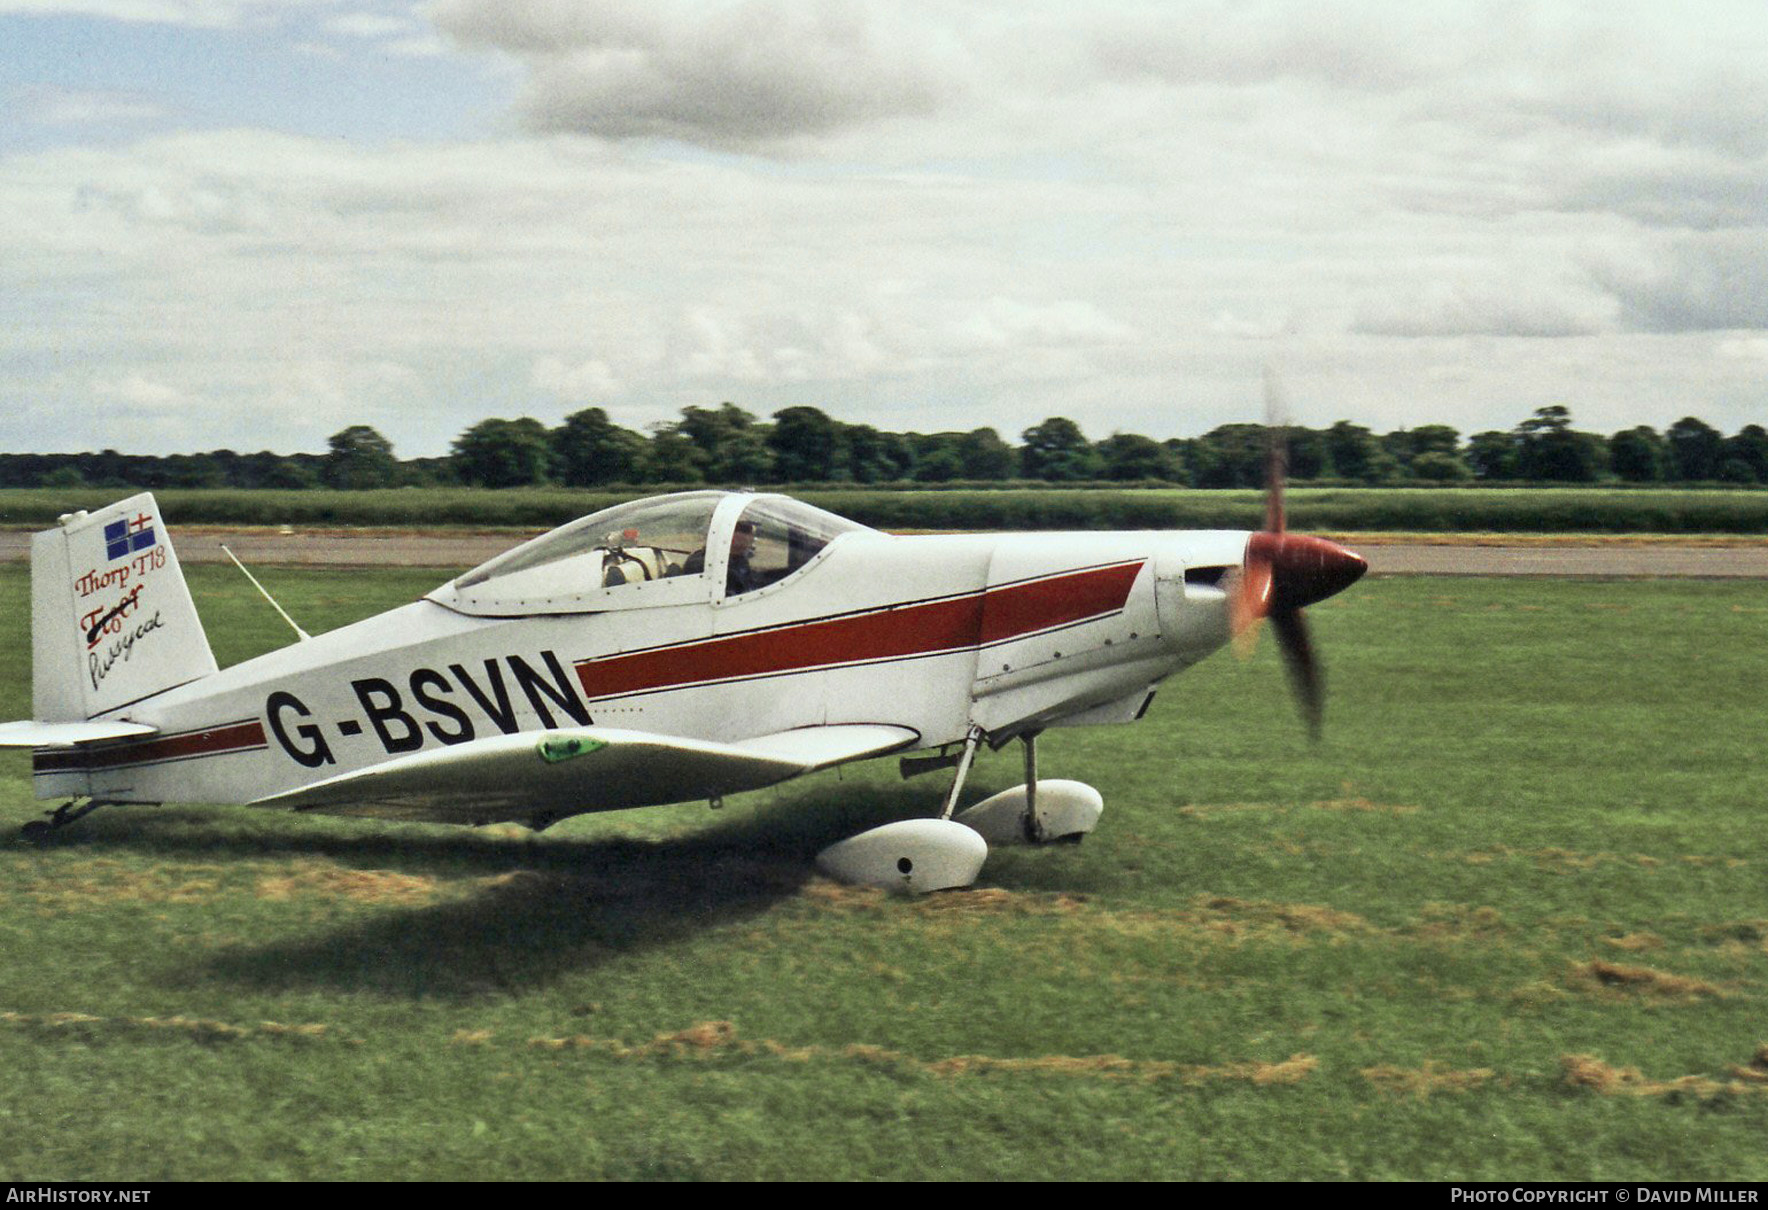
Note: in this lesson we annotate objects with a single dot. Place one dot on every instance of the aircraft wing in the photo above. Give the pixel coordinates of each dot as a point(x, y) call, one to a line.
point(29, 734)
point(575, 769)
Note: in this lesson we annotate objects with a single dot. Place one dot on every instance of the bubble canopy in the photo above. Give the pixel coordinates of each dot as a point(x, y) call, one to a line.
point(664, 550)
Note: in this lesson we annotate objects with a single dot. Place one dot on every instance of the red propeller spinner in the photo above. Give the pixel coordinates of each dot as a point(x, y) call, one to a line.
point(1282, 574)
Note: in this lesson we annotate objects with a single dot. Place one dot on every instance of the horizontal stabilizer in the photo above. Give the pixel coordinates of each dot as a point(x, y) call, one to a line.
point(575, 769)
point(30, 734)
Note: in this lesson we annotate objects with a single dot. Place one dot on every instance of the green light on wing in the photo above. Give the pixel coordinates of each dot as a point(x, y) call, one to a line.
point(563, 748)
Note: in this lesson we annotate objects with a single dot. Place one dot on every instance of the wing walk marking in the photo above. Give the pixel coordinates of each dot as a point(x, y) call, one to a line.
point(907, 631)
point(247, 735)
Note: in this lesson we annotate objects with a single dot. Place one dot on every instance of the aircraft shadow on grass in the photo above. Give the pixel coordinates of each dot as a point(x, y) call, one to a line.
point(539, 912)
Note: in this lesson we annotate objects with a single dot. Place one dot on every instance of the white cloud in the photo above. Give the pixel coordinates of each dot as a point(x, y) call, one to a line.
point(1005, 323)
point(401, 34)
point(902, 210)
point(731, 74)
point(77, 107)
point(584, 381)
point(137, 390)
point(369, 25)
point(758, 347)
point(1744, 348)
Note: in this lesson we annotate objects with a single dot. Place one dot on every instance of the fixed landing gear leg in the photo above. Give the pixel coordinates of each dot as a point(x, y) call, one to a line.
point(1034, 828)
point(971, 742)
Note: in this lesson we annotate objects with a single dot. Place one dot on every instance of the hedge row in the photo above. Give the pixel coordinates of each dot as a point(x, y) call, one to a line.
point(1335, 510)
point(1493, 510)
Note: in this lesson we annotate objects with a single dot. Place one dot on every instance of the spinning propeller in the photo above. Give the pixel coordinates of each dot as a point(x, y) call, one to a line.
point(1283, 573)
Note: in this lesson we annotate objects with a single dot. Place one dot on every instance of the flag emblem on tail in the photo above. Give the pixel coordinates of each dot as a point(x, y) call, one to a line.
point(125, 537)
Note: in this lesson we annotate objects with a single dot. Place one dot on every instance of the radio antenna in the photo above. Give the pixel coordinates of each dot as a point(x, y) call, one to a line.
point(261, 591)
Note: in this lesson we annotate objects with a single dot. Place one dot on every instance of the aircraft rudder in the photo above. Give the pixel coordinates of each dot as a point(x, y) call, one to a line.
point(112, 620)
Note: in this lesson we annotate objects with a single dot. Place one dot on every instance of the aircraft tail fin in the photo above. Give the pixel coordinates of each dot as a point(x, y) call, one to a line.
point(112, 621)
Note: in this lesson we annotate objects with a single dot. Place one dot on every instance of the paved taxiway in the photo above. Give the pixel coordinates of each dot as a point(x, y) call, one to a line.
point(1611, 560)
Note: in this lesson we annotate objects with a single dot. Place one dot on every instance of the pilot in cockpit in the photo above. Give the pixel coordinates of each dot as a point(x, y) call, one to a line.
point(739, 576)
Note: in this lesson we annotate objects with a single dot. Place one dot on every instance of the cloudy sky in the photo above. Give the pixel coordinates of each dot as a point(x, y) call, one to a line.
point(250, 223)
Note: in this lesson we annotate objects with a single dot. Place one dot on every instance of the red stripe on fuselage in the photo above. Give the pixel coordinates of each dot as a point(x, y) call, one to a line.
point(908, 630)
point(1015, 610)
point(216, 741)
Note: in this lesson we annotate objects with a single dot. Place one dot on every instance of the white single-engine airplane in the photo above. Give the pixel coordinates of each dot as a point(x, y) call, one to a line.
point(668, 649)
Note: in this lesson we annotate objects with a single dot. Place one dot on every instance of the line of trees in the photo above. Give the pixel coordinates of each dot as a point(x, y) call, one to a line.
point(727, 445)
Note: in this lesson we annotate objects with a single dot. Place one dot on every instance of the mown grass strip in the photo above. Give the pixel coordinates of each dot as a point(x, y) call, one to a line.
point(1531, 834)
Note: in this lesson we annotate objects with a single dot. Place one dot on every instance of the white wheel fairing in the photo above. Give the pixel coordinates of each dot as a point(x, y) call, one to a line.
point(1066, 810)
point(913, 856)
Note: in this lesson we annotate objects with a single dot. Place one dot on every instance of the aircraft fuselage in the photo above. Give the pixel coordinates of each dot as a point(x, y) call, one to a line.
point(938, 634)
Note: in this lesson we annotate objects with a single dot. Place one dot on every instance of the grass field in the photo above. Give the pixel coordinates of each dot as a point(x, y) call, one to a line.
point(1507, 922)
